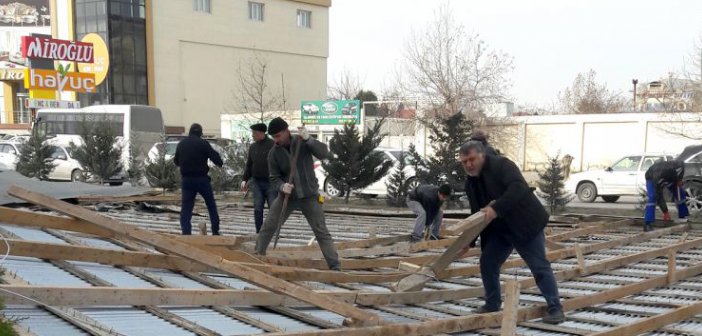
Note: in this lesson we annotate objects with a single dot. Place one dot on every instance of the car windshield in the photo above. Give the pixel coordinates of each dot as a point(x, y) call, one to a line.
point(397, 154)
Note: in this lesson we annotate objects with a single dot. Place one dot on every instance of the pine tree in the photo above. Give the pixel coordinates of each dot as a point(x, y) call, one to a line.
point(397, 183)
point(551, 187)
point(135, 173)
point(34, 158)
point(162, 171)
point(353, 163)
point(447, 135)
point(100, 154)
point(228, 177)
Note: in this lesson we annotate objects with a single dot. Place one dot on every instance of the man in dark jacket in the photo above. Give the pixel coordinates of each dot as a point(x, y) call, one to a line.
point(425, 201)
point(303, 191)
point(662, 175)
point(191, 156)
point(481, 137)
point(516, 221)
point(257, 172)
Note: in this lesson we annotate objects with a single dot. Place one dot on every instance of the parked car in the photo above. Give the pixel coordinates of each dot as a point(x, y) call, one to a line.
point(69, 169)
point(9, 152)
point(625, 177)
point(375, 189)
point(692, 158)
point(17, 138)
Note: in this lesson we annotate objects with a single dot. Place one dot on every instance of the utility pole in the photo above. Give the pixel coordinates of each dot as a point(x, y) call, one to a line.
point(634, 81)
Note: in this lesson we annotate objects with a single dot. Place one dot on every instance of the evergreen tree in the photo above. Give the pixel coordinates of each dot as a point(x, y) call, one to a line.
point(415, 159)
point(353, 163)
point(34, 158)
point(162, 171)
point(100, 154)
point(447, 135)
point(228, 177)
point(397, 183)
point(551, 187)
point(135, 173)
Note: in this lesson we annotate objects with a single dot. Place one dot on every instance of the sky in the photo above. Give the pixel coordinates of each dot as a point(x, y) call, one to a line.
point(551, 41)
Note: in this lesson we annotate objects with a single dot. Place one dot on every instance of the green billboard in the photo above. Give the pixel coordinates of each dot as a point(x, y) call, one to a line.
point(331, 112)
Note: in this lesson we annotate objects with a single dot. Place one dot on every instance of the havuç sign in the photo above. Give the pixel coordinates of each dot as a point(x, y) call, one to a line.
point(332, 112)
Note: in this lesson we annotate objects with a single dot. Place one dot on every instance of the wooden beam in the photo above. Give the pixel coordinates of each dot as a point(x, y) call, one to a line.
point(355, 316)
point(509, 318)
point(493, 320)
point(125, 199)
point(472, 227)
point(590, 230)
point(581, 259)
point(671, 267)
point(654, 322)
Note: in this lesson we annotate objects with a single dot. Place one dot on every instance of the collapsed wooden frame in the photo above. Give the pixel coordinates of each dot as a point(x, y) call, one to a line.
point(257, 297)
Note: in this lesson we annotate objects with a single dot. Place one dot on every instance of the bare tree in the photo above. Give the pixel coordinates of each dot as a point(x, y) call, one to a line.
point(458, 70)
point(345, 86)
point(254, 94)
point(587, 96)
point(692, 71)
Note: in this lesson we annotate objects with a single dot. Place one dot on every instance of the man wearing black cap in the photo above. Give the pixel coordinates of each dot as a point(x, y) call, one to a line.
point(191, 156)
point(303, 191)
point(257, 172)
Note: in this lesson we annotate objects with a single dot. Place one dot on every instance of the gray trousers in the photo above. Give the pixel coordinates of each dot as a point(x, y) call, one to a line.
point(421, 222)
point(313, 212)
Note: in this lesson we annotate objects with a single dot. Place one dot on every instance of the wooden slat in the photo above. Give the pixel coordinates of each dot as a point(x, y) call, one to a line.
point(355, 315)
point(511, 307)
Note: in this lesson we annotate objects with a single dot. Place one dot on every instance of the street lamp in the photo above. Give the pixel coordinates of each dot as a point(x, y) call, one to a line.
point(634, 81)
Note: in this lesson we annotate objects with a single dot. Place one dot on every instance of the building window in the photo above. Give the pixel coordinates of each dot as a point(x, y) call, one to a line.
point(304, 18)
point(202, 6)
point(256, 11)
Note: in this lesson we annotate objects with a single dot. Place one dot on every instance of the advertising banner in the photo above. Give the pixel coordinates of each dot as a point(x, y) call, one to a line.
point(333, 112)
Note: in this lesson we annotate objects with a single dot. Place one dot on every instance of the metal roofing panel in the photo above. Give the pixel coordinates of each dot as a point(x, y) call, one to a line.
point(394, 318)
point(175, 279)
point(40, 322)
point(96, 242)
point(322, 314)
point(114, 275)
point(215, 321)
point(232, 282)
point(33, 234)
point(281, 321)
point(131, 321)
point(39, 272)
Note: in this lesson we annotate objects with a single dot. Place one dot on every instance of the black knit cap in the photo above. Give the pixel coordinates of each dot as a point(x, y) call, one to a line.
point(261, 127)
point(195, 129)
point(276, 126)
point(445, 190)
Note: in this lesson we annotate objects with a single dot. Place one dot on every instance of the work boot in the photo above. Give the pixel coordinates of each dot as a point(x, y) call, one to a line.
point(647, 227)
point(485, 309)
point(414, 239)
point(433, 237)
point(554, 316)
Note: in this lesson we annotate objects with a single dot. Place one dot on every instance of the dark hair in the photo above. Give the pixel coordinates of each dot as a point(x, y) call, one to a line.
point(479, 135)
point(473, 145)
point(445, 189)
point(195, 129)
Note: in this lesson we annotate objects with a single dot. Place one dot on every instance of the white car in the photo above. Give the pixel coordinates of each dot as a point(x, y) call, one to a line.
point(9, 152)
point(377, 188)
point(623, 178)
point(69, 169)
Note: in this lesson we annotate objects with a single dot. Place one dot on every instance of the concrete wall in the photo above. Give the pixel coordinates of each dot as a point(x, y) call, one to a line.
point(594, 140)
point(197, 55)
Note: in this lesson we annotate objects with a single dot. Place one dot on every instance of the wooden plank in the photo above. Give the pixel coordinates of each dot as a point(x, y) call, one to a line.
point(654, 322)
point(671, 266)
point(493, 320)
point(511, 306)
point(39, 220)
point(459, 228)
point(355, 316)
point(125, 199)
point(551, 245)
point(472, 227)
point(399, 248)
point(590, 230)
point(581, 259)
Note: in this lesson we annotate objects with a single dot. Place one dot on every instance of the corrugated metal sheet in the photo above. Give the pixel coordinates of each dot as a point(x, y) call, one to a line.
point(33, 234)
point(131, 321)
point(39, 272)
point(281, 321)
point(215, 321)
point(394, 318)
point(175, 279)
point(232, 282)
point(114, 275)
point(95, 242)
point(322, 315)
point(41, 322)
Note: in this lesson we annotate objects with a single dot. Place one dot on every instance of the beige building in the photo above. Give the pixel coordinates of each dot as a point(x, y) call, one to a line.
point(200, 45)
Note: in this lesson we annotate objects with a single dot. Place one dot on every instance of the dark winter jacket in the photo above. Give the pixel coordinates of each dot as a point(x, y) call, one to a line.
point(257, 162)
point(192, 154)
point(664, 174)
point(520, 215)
point(428, 196)
point(304, 180)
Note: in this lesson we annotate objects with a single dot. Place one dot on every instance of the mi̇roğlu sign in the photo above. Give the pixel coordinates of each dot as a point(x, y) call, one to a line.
point(60, 50)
